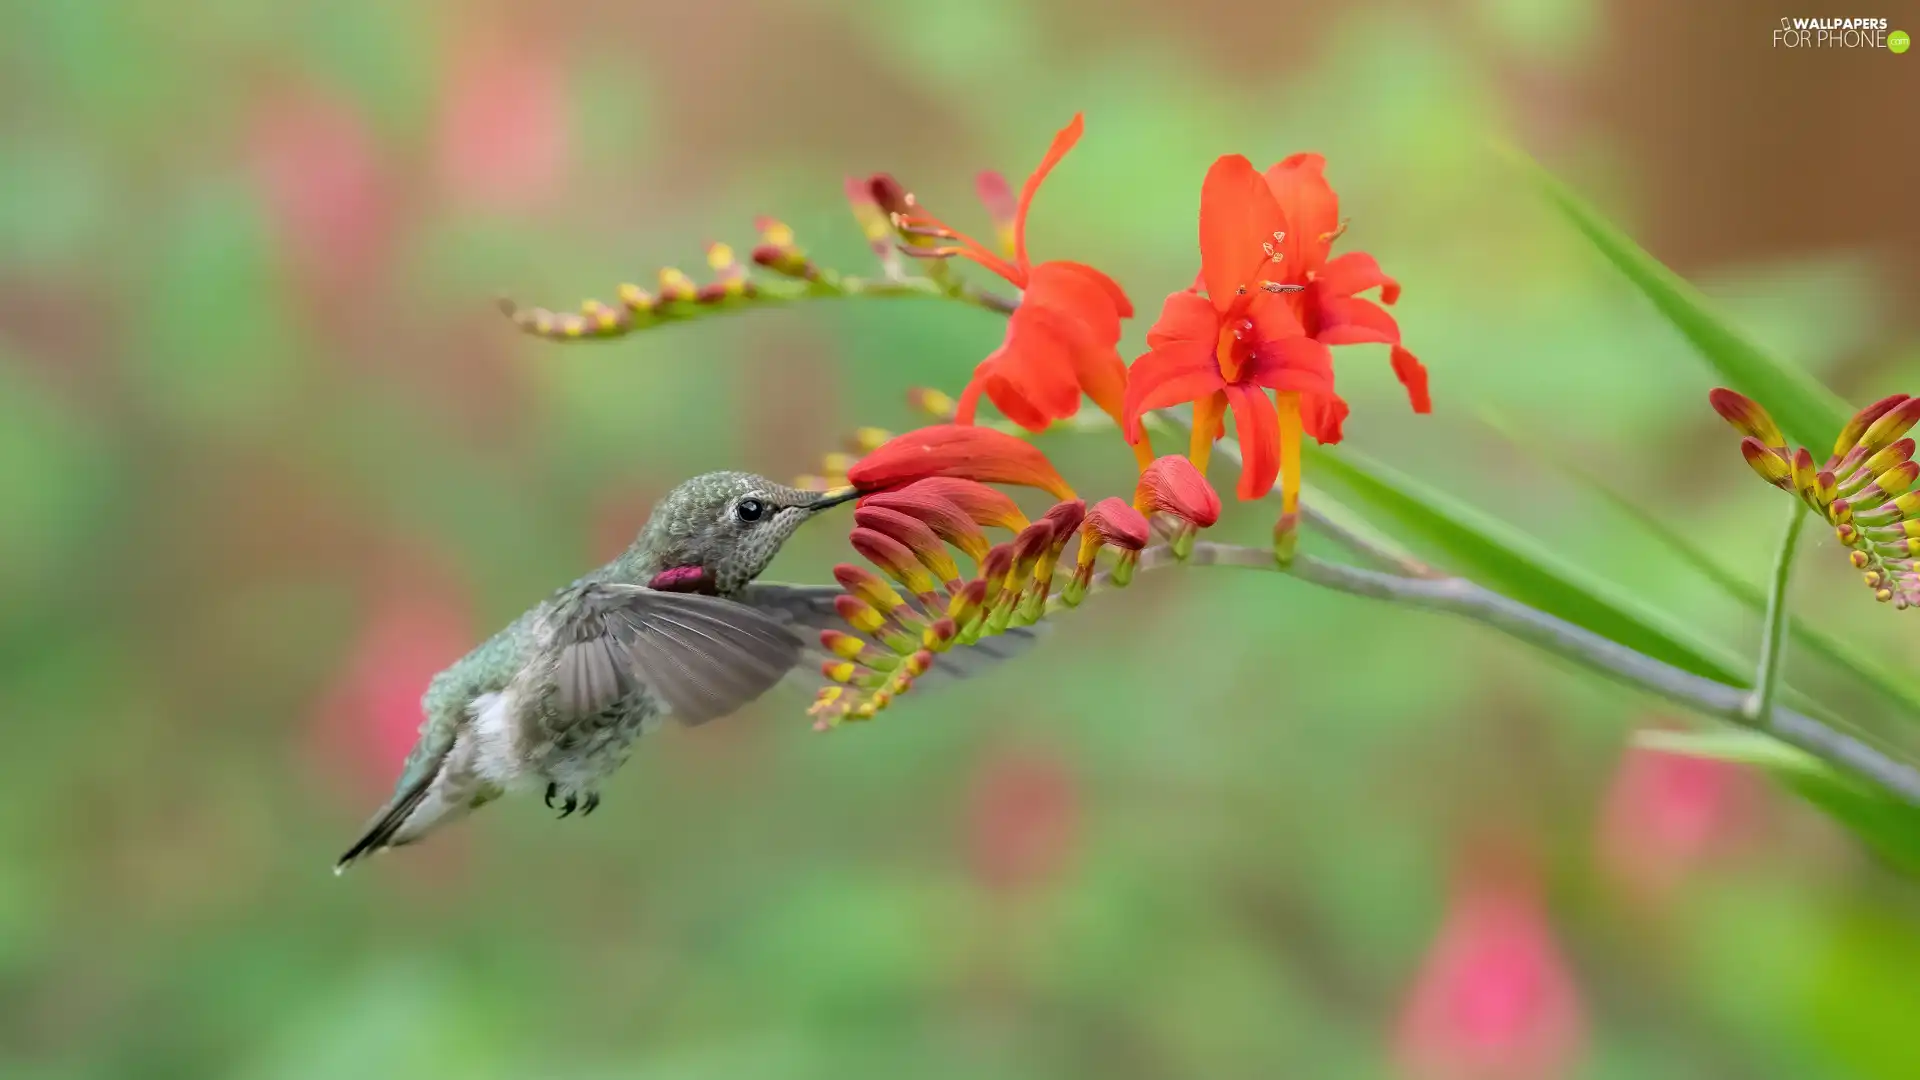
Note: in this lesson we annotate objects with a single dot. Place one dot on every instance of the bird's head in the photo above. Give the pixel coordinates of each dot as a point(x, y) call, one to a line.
point(730, 524)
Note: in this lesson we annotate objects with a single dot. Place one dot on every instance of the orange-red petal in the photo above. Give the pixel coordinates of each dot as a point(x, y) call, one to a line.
point(1294, 363)
point(1311, 210)
point(1352, 273)
point(1006, 397)
point(1185, 317)
point(956, 450)
point(1238, 215)
point(1059, 344)
point(1062, 142)
point(1352, 321)
point(1031, 376)
point(1258, 427)
point(1412, 375)
point(1158, 380)
point(1086, 291)
point(1322, 416)
point(1273, 317)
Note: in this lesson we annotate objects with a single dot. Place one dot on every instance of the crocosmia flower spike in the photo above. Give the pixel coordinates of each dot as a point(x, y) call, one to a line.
point(1864, 490)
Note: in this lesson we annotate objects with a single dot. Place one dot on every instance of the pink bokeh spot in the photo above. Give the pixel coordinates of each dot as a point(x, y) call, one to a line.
point(1022, 821)
point(1665, 815)
point(327, 197)
point(1493, 1000)
point(368, 718)
point(504, 138)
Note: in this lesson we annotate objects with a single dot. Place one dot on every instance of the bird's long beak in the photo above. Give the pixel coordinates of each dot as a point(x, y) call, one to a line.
point(834, 497)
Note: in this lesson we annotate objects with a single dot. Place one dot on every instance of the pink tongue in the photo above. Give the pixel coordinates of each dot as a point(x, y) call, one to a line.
point(680, 579)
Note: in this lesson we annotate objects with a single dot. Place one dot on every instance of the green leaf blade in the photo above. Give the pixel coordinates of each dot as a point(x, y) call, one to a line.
point(1804, 407)
point(1501, 557)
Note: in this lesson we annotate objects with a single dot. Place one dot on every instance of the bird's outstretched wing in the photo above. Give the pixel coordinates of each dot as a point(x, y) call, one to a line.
point(703, 656)
point(809, 609)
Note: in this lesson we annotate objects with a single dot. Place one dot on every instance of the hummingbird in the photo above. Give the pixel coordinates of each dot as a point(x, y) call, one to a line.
point(675, 627)
point(668, 629)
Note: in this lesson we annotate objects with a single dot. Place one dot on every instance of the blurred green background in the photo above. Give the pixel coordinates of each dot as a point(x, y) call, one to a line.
point(268, 460)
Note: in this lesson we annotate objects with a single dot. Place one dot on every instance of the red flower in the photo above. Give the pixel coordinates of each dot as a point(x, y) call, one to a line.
point(1329, 307)
point(951, 450)
point(1061, 340)
point(1239, 341)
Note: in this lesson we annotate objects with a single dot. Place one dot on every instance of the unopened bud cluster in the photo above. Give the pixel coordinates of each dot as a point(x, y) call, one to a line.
point(678, 295)
point(928, 494)
point(925, 605)
point(1865, 490)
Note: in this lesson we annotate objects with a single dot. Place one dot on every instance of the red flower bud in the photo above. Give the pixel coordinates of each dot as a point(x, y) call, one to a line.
point(1115, 524)
point(948, 520)
point(981, 504)
point(1066, 517)
point(1864, 419)
point(912, 533)
point(1746, 416)
point(1171, 485)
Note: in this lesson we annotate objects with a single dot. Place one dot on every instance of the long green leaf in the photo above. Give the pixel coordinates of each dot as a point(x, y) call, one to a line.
point(1808, 411)
point(1891, 828)
point(1852, 659)
point(1503, 558)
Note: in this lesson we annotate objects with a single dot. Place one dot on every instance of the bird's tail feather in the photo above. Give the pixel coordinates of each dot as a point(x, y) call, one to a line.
point(386, 825)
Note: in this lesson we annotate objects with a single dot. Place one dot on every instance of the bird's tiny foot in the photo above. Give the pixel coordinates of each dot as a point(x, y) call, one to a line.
point(592, 804)
point(552, 790)
point(569, 806)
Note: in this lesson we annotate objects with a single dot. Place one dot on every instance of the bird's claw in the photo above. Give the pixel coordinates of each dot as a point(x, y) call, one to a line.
point(572, 802)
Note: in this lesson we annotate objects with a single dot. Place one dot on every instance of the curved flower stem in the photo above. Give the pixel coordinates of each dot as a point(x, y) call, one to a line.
point(1458, 596)
point(1773, 646)
point(600, 321)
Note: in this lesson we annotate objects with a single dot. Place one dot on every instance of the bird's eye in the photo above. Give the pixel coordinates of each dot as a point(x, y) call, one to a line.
point(750, 509)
